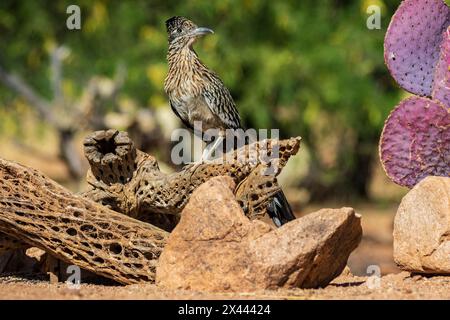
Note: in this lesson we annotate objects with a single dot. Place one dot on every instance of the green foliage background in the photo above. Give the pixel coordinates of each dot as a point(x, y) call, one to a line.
point(310, 68)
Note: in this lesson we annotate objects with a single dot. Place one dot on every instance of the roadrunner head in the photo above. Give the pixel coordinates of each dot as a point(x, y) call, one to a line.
point(182, 32)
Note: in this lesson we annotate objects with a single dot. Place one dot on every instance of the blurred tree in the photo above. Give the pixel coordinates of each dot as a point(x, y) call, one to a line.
point(310, 68)
point(67, 117)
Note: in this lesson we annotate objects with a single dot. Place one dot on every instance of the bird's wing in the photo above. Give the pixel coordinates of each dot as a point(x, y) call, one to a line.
point(175, 110)
point(221, 104)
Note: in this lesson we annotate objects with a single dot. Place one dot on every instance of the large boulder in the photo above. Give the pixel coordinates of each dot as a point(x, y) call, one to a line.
point(422, 228)
point(215, 247)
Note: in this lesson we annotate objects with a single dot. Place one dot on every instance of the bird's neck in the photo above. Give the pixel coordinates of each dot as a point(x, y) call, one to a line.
point(184, 68)
point(182, 57)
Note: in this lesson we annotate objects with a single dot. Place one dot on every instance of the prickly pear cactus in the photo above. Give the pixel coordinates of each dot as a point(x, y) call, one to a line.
point(412, 43)
point(415, 142)
point(441, 85)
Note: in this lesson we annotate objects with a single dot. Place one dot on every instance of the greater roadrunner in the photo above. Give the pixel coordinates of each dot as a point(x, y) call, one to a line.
point(197, 94)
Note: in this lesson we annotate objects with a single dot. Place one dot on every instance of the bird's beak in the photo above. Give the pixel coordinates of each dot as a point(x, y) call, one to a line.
point(201, 31)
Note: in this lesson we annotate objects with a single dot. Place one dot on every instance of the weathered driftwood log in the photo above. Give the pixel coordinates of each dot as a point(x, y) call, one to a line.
point(129, 181)
point(38, 211)
point(35, 211)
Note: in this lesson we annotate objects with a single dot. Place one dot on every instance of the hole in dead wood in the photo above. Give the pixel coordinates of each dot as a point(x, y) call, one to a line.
point(87, 228)
point(82, 258)
point(149, 255)
point(99, 260)
point(103, 225)
point(106, 146)
point(55, 240)
point(72, 232)
point(108, 236)
point(67, 251)
point(115, 248)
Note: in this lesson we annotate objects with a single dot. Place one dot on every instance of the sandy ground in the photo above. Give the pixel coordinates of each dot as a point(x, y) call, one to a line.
point(393, 286)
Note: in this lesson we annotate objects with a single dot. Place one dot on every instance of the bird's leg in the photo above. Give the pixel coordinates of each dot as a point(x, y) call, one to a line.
point(210, 148)
point(207, 152)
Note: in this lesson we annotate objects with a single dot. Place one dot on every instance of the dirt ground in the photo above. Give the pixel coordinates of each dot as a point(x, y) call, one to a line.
point(393, 286)
point(356, 282)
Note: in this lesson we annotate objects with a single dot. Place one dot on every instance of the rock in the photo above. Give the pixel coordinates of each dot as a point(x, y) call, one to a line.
point(422, 228)
point(216, 248)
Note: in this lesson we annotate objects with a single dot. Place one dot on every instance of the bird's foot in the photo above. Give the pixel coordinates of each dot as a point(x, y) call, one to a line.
point(194, 164)
point(211, 148)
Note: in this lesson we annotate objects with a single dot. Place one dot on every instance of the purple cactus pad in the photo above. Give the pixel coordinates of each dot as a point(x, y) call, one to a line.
point(412, 43)
point(415, 142)
point(441, 83)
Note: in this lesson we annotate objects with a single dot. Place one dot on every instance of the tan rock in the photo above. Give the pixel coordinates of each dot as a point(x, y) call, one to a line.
point(422, 228)
point(216, 248)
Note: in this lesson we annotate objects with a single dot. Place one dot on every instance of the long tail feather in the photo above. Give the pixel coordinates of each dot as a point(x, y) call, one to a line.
point(279, 209)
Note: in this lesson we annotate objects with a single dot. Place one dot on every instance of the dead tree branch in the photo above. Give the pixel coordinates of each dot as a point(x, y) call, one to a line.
point(35, 211)
point(16, 84)
point(75, 229)
point(67, 118)
point(129, 181)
